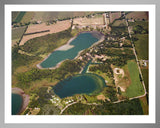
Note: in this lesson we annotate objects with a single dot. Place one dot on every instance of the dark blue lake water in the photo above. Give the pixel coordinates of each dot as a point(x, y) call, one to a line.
point(16, 103)
point(80, 84)
point(81, 42)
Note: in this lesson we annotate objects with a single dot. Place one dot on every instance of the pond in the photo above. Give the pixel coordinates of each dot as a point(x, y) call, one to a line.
point(17, 101)
point(80, 42)
point(80, 84)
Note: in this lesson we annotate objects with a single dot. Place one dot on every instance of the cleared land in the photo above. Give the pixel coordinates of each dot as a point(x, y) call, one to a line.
point(98, 19)
point(59, 26)
point(137, 15)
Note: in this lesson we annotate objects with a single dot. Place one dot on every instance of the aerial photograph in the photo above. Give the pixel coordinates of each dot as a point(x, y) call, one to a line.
point(80, 63)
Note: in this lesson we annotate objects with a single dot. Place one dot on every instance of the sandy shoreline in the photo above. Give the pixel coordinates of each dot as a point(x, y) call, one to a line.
point(25, 98)
point(67, 46)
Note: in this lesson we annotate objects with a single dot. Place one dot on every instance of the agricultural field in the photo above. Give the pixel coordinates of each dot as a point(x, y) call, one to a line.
point(54, 28)
point(144, 24)
point(119, 23)
point(141, 46)
point(47, 16)
point(97, 19)
point(145, 74)
point(137, 16)
point(136, 87)
point(114, 15)
point(28, 17)
point(14, 15)
point(17, 33)
point(19, 17)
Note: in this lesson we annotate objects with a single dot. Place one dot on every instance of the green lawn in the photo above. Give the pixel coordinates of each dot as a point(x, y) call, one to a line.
point(136, 87)
point(141, 46)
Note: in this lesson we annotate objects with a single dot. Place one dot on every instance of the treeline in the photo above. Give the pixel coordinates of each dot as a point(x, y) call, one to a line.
point(132, 107)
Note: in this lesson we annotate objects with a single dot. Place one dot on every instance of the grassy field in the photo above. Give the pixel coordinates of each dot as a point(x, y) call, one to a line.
point(27, 17)
point(144, 24)
point(144, 105)
point(141, 46)
point(19, 17)
point(137, 15)
point(136, 87)
point(145, 78)
point(97, 19)
point(119, 23)
point(17, 34)
point(46, 16)
point(14, 15)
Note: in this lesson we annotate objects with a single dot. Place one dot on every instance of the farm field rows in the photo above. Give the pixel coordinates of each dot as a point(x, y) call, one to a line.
point(59, 26)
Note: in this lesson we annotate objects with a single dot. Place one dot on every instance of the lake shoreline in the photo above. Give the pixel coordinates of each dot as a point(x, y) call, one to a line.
point(24, 96)
point(100, 36)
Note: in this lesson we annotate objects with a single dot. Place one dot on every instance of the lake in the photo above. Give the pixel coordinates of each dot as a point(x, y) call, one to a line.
point(80, 84)
point(82, 41)
point(17, 101)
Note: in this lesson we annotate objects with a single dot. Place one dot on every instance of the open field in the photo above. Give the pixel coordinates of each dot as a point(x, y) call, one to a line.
point(115, 15)
point(19, 17)
point(144, 104)
point(136, 87)
point(141, 46)
point(14, 15)
point(17, 34)
point(59, 26)
point(144, 24)
point(27, 17)
point(46, 16)
point(123, 79)
point(137, 15)
point(119, 23)
point(97, 19)
point(145, 74)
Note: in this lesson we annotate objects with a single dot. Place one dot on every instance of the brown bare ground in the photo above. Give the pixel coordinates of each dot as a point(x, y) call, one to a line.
point(124, 81)
point(59, 26)
point(101, 97)
point(88, 21)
